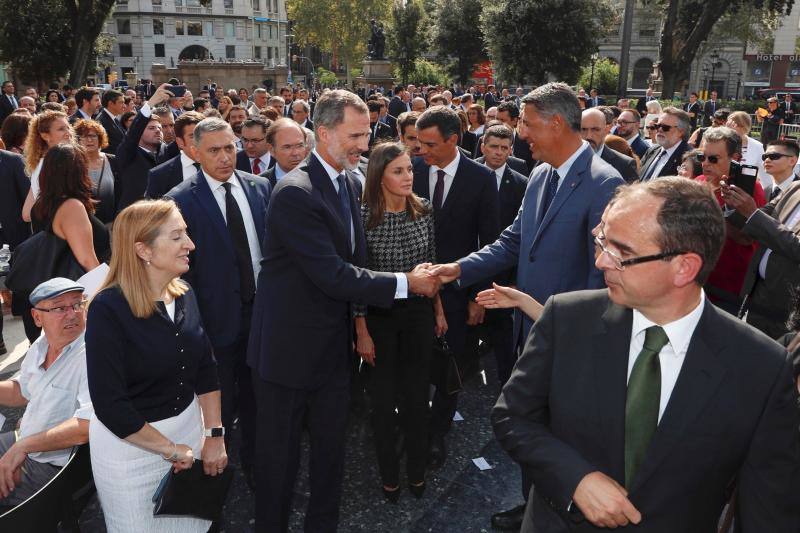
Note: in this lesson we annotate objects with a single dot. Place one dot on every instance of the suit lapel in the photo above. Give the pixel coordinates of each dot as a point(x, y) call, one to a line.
point(256, 210)
point(571, 182)
point(505, 192)
point(611, 373)
point(700, 376)
point(321, 181)
point(206, 199)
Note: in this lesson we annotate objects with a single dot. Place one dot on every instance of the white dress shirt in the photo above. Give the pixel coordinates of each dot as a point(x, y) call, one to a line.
point(663, 156)
point(54, 395)
point(401, 290)
point(279, 172)
point(498, 174)
point(244, 206)
point(672, 354)
point(565, 167)
point(449, 175)
point(263, 162)
point(187, 166)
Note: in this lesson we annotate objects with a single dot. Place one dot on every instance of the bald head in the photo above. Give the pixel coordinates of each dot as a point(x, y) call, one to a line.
point(418, 104)
point(593, 127)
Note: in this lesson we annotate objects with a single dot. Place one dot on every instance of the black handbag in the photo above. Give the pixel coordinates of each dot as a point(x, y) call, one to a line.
point(192, 493)
point(445, 361)
point(39, 258)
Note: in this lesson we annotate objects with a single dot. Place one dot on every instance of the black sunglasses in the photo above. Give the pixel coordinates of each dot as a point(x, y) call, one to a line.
point(664, 127)
point(714, 159)
point(774, 156)
point(651, 128)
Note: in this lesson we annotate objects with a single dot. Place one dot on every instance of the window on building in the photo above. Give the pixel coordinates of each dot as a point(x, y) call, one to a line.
point(178, 3)
point(123, 26)
point(647, 30)
point(159, 50)
point(257, 52)
point(194, 27)
point(269, 52)
point(258, 30)
point(230, 52)
point(270, 31)
point(256, 5)
point(192, 3)
point(122, 2)
point(179, 27)
point(230, 29)
point(758, 71)
point(125, 50)
point(793, 73)
point(156, 3)
point(158, 26)
point(228, 4)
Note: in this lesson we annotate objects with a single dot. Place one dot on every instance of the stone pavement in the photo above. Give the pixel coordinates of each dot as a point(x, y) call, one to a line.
point(459, 498)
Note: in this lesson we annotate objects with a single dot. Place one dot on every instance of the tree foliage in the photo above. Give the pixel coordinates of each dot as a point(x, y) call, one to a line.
point(407, 35)
point(423, 72)
point(532, 39)
point(340, 27)
point(606, 74)
point(458, 37)
point(59, 37)
point(325, 77)
point(688, 25)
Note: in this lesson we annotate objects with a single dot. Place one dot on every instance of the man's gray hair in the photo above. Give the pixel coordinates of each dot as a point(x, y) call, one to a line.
point(208, 125)
point(684, 121)
point(311, 140)
point(260, 90)
point(306, 107)
point(329, 111)
point(556, 99)
point(733, 143)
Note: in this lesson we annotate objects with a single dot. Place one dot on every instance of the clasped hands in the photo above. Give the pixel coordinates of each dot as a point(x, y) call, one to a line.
point(426, 279)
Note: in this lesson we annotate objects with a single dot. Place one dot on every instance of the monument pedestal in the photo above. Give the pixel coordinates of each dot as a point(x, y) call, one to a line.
point(377, 72)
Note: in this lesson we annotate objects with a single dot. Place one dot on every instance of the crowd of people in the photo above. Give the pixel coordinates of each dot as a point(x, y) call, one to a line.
point(272, 258)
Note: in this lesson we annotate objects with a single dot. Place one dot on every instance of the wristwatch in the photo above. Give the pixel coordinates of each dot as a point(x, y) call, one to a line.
point(215, 432)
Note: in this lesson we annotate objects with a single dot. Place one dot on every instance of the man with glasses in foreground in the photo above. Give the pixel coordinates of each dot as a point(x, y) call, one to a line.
point(646, 412)
point(52, 384)
point(664, 157)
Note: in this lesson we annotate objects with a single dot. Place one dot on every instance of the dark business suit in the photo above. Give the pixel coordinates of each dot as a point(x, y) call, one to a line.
point(214, 275)
point(489, 100)
point(639, 146)
point(134, 163)
point(693, 108)
point(467, 220)
point(516, 164)
point(14, 186)
point(162, 178)
point(670, 168)
point(594, 102)
point(269, 174)
point(391, 121)
point(732, 415)
point(6, 107)
point(397, 107)
point(789, 110)
point(769, 299)
point(301, 341)
point(308, 124)
point(709, 108)
point(75, 117)
point(379, 131)
point(113, 130)
point(243, 162)
point(626, 166)
point(469, 142)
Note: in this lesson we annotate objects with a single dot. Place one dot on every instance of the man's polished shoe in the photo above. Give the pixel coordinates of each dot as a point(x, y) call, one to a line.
point(437, 453)
point(510, 520)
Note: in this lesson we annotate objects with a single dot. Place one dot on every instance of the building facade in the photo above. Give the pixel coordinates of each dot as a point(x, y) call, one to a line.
point(170, 32)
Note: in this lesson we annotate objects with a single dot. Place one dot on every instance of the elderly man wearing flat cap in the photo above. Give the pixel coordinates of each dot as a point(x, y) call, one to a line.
point(52, 385)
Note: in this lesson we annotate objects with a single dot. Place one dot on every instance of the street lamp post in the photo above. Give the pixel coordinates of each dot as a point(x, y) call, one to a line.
point(738, 83)
point(714, 57)
point(311, 72)
point(705, 79)
point(594, 58)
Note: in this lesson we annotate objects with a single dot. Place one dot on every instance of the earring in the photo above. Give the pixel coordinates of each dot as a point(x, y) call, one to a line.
point(148, 263)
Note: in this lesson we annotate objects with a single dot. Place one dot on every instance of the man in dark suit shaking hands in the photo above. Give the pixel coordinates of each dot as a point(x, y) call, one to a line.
point(225, 210)
point(301, 335)
point(648, 413)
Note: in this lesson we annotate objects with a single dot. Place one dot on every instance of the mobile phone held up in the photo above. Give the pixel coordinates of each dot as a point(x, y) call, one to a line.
point(743, 176)
point(178, 91)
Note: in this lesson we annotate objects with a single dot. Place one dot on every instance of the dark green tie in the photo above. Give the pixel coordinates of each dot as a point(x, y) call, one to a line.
point(642, 402)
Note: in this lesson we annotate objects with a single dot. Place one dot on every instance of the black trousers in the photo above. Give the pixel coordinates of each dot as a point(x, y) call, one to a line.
point(236, 388)
point(281, 411)
point(444, 405)
point(403, 337)
point(498, 330)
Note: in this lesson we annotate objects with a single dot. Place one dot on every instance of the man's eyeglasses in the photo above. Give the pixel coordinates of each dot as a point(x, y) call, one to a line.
point(651, 128)
point(714, 159)
point(773, 156)
point(664, 127)
point(62, 310)
point(620, 263)
point(253, 141)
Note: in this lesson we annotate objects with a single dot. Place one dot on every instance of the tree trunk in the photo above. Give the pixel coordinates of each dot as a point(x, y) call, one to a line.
point(81, 50)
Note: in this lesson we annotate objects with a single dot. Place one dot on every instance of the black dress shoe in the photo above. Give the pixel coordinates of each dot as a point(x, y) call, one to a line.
point(392, 496)
point(510, 520)
point(437, 453)
point(417, 490)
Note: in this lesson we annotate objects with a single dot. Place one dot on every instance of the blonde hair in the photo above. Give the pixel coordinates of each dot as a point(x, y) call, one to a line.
point(35, 145)
point(741, 119)
point(653, 107)
point(139, 222)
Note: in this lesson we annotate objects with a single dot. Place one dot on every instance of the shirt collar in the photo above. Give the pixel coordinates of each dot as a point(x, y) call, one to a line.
point(83, 114)
point(40, 346)
point(785, 184)
point(279, 172)
point(451, 167)
point(264, 159)
point(565, 167)
point(186, 161)
point(332, 173)
point(678, 331)
point(215, 184)
point(499, 171)
point(109, 113)
point(671, 151)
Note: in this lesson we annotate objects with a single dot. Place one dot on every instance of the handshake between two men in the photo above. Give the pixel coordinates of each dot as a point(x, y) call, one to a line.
point(426, 279)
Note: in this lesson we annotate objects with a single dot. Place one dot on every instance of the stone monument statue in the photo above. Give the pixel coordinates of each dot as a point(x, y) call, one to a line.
point(377, 41)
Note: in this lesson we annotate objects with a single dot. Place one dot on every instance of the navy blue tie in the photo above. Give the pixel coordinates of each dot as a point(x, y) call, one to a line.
point(550, 192)
point(344, 206)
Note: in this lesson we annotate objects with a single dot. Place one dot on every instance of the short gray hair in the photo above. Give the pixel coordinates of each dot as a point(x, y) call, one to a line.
point(556, 99)
point(329, 111)
point(306, 107)
point(208, 125)
point(733, 143)
point(261, 90)
point(684, 121)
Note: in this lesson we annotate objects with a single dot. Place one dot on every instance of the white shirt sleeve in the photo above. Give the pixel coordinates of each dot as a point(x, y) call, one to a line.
point(401, 292)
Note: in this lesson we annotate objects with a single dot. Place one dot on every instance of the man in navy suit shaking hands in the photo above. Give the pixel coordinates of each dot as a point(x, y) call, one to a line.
point(301, 338)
